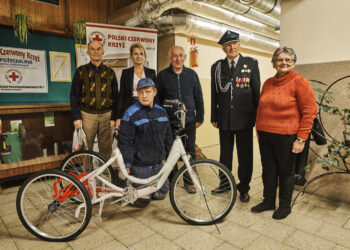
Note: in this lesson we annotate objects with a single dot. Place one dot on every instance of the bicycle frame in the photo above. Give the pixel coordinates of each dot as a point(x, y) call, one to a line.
point(177, 151)
point(129, 195)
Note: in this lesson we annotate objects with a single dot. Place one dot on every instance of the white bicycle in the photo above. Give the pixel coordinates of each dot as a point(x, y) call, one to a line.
point(56, 205)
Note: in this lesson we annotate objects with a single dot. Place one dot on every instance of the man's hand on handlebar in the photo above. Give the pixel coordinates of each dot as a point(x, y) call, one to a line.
point(120, 175)
point(198, 124)
point(215, 124)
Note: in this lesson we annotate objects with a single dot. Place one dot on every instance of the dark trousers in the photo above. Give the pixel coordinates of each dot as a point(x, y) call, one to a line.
point(189, 142)
point(244, 143)
point(278, 162)
point(301, 159)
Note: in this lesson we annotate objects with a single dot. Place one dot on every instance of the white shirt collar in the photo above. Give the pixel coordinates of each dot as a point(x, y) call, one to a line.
point(235, 60)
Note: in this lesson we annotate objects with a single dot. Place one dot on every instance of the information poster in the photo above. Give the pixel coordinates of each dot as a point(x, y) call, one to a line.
point(81, 54)
point(22, 70)
point(116, 41)
point(60, 67)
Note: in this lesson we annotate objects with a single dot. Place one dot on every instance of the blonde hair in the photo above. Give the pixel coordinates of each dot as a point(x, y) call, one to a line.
point(139, 46)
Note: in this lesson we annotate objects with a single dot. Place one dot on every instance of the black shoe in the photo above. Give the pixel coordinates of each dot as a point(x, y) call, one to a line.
point(281, 213)
point(300, 180)
point(262, 207)
point(219, 190)
point(244, 197)
point(191, 189)
point(141, 203)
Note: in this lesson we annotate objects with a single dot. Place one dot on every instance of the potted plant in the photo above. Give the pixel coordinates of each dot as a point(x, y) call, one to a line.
point(79, 30)
point(337, 156)
point(20, 24)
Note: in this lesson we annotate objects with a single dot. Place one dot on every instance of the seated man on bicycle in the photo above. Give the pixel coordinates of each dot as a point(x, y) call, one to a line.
point(145, 137)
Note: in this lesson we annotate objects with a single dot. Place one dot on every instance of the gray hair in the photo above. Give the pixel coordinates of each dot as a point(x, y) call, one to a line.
point(170, 51)
point(88, 45)
point(278, 51)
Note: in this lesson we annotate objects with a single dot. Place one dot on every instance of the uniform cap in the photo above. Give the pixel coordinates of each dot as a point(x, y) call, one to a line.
point(228, 36)
point(144, 82)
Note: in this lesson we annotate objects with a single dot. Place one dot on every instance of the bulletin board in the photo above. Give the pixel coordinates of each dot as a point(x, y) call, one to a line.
point(58, 91)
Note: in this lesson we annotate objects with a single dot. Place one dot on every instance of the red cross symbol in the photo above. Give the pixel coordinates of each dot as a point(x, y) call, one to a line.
point(13, 76)
point(97, 38)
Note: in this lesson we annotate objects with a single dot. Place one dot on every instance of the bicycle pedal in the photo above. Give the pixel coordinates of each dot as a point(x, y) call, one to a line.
point(124, 203)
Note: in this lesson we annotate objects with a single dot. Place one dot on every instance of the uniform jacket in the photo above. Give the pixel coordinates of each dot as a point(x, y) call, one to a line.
point(76, 92)
point(186, 88)
point(145, 136)
point(236, 108)
point(125, 99)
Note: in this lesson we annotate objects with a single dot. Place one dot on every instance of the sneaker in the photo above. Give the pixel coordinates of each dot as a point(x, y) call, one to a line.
point(158, 196)
point(262, 207)
point(281, 213)
point(191, 189)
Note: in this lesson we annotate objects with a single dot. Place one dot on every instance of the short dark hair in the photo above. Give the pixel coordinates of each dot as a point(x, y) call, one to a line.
point(278, 51)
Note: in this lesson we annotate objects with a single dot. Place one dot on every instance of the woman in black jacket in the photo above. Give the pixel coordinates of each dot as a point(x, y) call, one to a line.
point(130, 77)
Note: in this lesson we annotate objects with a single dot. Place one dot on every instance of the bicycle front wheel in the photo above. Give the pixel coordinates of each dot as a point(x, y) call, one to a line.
point(203, 207)
point(46, 207)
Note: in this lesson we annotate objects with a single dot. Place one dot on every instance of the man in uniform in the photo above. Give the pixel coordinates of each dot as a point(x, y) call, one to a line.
point(235, 92)
point(93, 100)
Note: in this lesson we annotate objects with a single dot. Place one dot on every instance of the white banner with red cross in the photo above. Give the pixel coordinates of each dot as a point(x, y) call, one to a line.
point(22, 70)
point(116, 41)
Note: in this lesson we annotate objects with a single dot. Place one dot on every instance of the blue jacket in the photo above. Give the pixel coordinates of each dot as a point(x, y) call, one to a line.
point(145, 137)
point(185, 87)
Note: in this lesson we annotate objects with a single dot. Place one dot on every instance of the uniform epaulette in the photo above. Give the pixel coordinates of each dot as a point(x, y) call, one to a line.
point(251, 58)
point(220, 60)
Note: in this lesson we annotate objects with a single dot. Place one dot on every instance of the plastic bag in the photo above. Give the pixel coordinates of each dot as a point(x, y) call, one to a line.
point(79, 140)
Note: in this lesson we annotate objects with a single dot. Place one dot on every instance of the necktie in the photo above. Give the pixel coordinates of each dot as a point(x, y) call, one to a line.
point(232, 66)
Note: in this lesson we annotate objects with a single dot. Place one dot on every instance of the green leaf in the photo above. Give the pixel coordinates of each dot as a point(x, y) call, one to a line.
point(325, 108)
point(307, 168)
point(336, 163)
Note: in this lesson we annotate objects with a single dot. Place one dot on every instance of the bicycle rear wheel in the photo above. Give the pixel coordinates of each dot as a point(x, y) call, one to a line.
point(46, 209)
point(86, 161)
point(207, 207)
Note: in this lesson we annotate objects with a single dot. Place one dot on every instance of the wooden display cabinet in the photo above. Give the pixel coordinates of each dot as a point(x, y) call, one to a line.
point(34, 137)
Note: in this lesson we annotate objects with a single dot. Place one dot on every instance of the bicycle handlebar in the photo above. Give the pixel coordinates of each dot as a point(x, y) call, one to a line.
point(180, 113)
point(171, 103)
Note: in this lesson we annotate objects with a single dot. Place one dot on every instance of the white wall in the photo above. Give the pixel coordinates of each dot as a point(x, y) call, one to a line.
point(318, 30)
point(210, 52)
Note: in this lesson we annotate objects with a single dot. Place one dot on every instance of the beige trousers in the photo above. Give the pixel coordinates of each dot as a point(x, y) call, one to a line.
point(98, 124)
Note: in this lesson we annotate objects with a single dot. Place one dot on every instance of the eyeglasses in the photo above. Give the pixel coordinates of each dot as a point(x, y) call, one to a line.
point(287, 60)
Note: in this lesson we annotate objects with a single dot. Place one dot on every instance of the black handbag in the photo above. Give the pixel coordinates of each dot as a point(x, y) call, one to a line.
point(317, 133)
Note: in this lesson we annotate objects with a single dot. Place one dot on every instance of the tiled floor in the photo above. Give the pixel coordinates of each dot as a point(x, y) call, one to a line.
point(315, 223)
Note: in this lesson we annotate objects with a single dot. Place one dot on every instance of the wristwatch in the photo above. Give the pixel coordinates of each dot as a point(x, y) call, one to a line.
point(301, 140)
